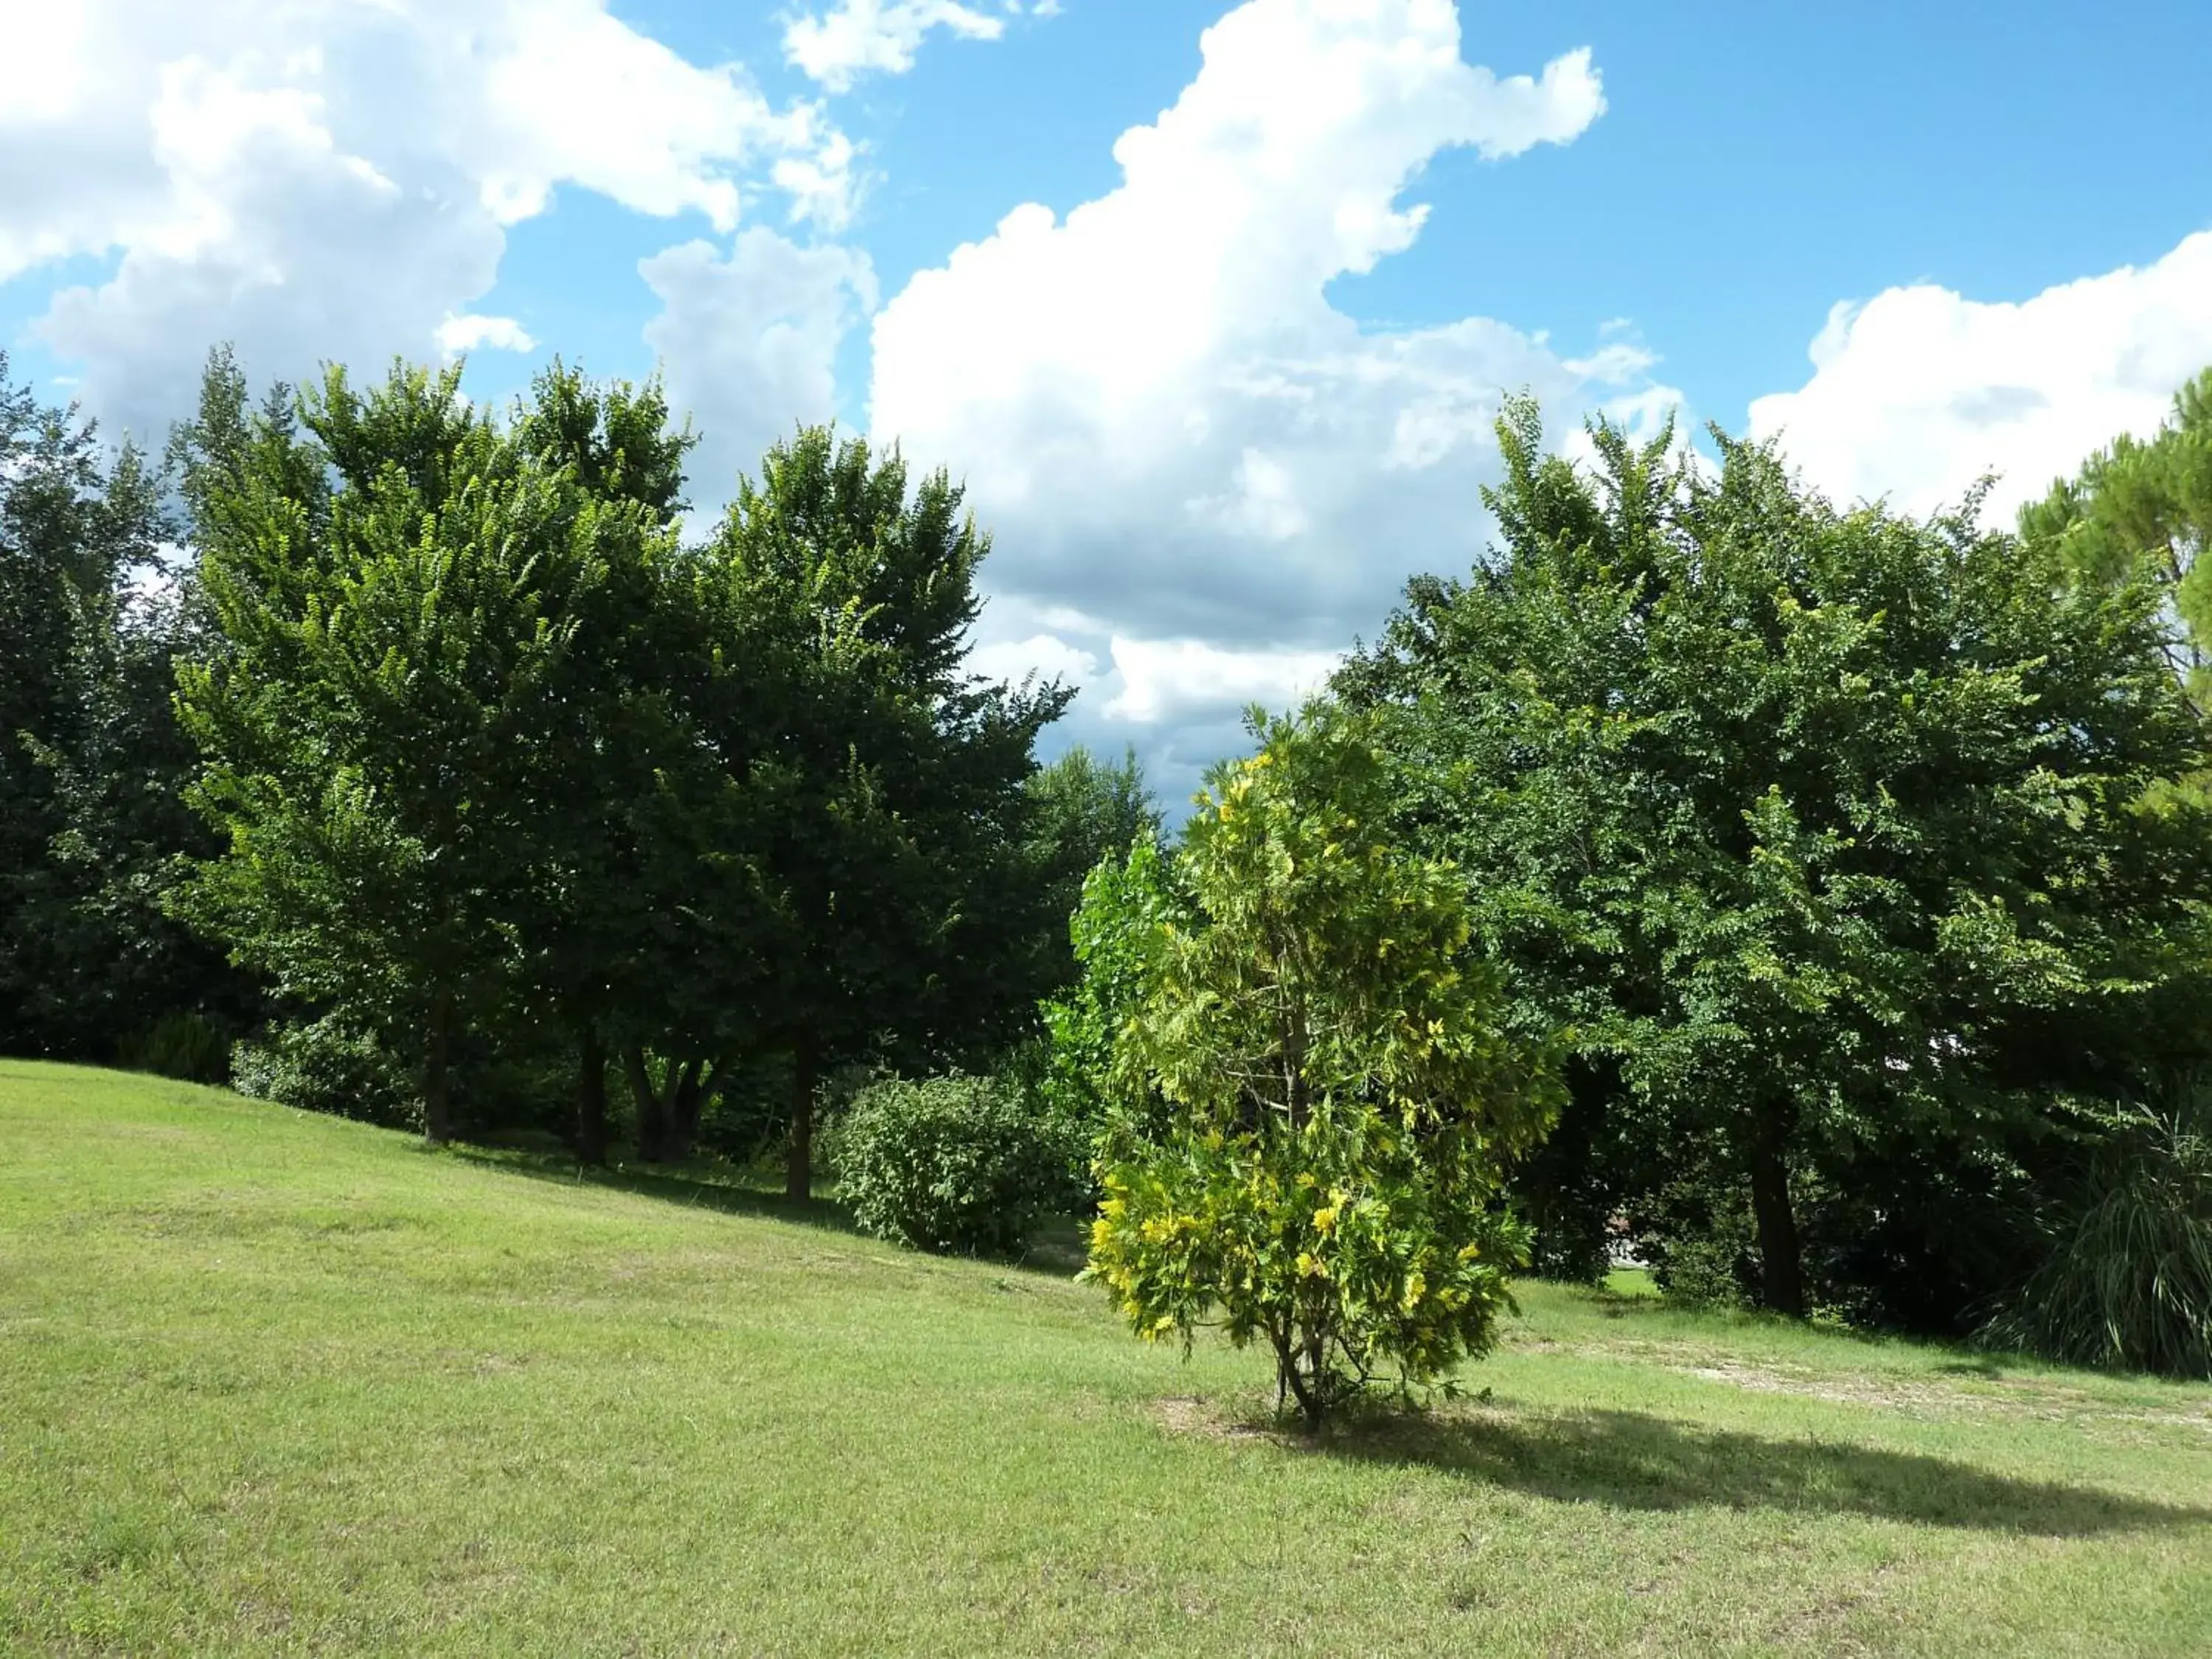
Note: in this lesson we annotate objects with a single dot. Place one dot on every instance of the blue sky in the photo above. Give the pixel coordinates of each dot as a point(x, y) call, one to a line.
point(1217, 416)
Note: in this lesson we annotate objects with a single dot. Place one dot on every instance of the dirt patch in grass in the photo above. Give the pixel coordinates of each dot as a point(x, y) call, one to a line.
point(2021, 1398)
point(1888, 1394)
point(1210, 1420)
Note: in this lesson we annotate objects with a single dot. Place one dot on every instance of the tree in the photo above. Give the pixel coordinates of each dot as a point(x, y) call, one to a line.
point(397, 592)
point(1340, 1101)
point(1823, 827)
point(90, 754)
point(1083, 811)
point(1129, 907)
point(2142, 508)
point(623, 878)
point(897, 843)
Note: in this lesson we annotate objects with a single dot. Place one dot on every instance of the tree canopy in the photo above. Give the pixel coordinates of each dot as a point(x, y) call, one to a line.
point(91, 759)
point(483, 735)
point(1823, 829)
point(2144, 508)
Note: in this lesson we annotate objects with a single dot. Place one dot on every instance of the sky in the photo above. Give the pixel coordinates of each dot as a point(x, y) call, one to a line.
point(1210, 306)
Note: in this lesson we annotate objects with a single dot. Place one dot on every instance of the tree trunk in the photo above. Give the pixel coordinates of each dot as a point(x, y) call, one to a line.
point(438, 1073)
point(1782, 1286)
point(1305, 1387)
point(651, 1122)
point(799, 1176)
point(680, 1127)
point(591, 1095)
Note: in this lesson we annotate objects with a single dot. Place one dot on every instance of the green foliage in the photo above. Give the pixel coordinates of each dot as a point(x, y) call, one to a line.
point(1338, 1100)
point(1824, 827)
point(2144, 507)
point(1118, 931)
point(490, 751)
point(180, 1044)
point(91, 757)
point(955, 1164)
point(1082, 811)
point(2127, 1280)
point(1700, 1239)
point(894, 821)
point(330, 1065)
point(397, 595)
point(1573, 1189)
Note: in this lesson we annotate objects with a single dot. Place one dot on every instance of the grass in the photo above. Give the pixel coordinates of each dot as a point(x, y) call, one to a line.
point(275, 1383)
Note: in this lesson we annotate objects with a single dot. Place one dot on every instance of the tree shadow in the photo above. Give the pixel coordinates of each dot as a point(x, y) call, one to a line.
point(1628, 1460)
point(691, 1187)
point(1057, 1249)
point(1982, 1365)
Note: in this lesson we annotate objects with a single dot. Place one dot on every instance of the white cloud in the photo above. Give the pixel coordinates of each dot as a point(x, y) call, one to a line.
point(1164, 679)
point(855, 38)
point(461, 334)
point(1165, 420)
point(750, 340)
point(333, 179)
point(1182, 701)
point(1918, 391)
point(1044, 655)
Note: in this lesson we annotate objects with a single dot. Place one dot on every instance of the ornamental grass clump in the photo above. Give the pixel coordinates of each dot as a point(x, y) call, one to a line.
point(2127, 1285)
point(1315, 1101)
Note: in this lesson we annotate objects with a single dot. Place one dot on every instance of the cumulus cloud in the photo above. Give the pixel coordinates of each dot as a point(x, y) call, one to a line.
point(457, 335)
point(749, 341)
point(1213, 473)
point(328, 179)
point(855, 38)
point(1161, 679)
point(1040, 656)
point(1918, 392)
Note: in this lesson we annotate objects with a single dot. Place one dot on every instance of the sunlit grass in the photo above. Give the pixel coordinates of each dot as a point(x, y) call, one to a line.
point(274, 1383)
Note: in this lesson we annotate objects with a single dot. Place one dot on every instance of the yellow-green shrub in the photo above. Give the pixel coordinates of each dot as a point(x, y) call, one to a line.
point(1340, 1102)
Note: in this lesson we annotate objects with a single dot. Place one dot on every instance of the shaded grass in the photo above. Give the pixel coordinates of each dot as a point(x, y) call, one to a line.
point(1636, 1460)
point(277, 1383)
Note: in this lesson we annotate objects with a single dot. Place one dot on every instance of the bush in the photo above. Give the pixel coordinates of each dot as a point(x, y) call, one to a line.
point(329, 1064)
point(953, 1163)
point(1336, 1104)
point(1697, 1233)
point(1128, 906)
point(2128, 1282)
point(179, 1045)
point(1571, 1188)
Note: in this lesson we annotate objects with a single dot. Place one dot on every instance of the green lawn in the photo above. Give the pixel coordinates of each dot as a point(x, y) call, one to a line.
point(276, 1384)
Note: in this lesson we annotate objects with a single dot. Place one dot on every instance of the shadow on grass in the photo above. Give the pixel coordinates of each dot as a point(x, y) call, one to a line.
point(1983, 1365)
point(1056, 1250)
point(1627, 1459)
point(1058, 1247)
point(686, 1186)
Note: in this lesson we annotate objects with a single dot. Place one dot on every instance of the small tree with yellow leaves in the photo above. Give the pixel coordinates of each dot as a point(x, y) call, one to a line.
point(1339, 1100)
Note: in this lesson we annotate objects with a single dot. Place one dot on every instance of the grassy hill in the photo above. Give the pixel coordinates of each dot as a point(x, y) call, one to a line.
point(275, 1383)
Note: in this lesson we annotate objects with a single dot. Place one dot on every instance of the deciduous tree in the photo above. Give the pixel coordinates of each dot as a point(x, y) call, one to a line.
point(1339, 1101)
point(1825, 827)
point(897, 843)
point(397, 591)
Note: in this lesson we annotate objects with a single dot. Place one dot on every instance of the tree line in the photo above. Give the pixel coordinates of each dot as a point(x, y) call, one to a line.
point(1826, 923)
point(472, 760)
point(1812, 901)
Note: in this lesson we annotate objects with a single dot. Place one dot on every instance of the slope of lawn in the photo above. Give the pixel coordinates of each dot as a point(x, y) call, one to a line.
point(277, 1383)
